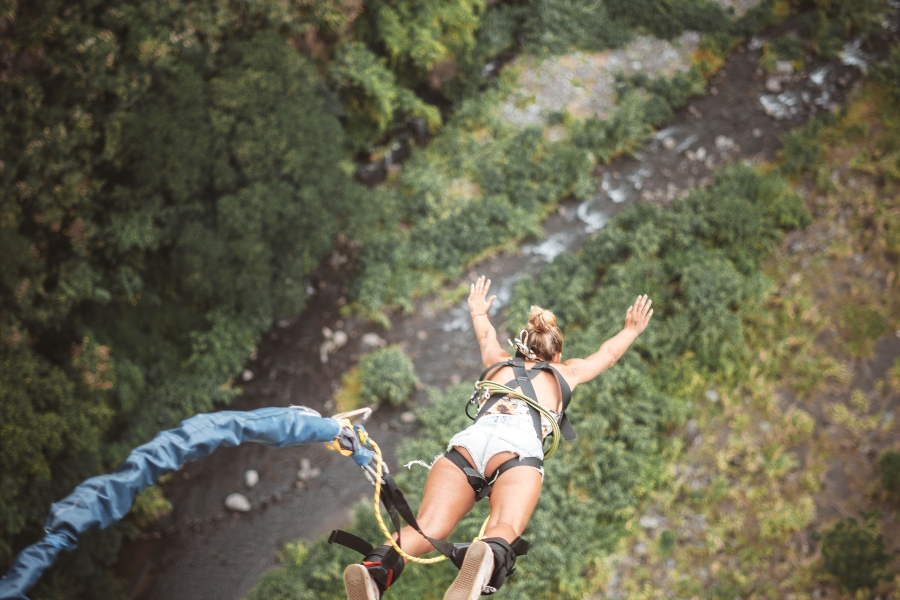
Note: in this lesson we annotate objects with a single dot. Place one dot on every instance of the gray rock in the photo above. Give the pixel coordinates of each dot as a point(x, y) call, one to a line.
point(339, 339)
point(248, 375)
point(303, 475)
point(701, 154)
point(251, 478)
point(773, 85)
point(649, 522)
point(691, 430)
point(327, 333)
point(765, 426)
point(669, 143)
point(712, 395)
point(373, 339)
point(237, 502)
point(408, 417)
point(724, 143)
point(785, 67)
point(641, 548)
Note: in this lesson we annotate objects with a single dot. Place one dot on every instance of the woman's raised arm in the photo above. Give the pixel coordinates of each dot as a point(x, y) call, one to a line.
point(636, 319)
point(491, 351)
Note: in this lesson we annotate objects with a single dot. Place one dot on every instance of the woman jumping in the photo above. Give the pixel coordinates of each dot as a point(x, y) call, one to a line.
point(480, 460)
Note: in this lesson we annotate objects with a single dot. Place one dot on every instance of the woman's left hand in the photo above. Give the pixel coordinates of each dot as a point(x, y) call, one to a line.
point(477, 302)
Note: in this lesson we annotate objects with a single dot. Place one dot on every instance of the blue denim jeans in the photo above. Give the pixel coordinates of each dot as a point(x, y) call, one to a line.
point(499, 433)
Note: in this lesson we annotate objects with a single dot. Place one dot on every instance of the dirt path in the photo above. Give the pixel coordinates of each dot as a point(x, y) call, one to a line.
point(202, 551)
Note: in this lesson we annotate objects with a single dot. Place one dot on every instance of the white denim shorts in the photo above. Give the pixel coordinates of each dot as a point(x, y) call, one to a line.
point(492, 434)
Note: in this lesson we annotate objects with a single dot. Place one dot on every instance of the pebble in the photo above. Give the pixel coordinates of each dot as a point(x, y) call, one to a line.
point(757, 132)
point(701, 154)
point(251, 478)
point(422, 335)
point(373, 340)
point(408, 417)
point(691, 430)
point(712, 395)
point(773, 85)
point(283, 323)
point(724, 143)
point(327, 333)
point(765, 426)
point(669, 143)
point(640, 548)
point(237, 502)
point(784, 66)
point(306, 473)
point(248, 375)
point(649, 522)
point(339, 339)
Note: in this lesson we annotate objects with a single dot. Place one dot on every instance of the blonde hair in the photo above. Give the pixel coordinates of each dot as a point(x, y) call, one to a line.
point(544, 338)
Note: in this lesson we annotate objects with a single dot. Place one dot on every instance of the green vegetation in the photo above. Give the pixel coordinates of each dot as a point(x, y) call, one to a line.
point(889, 464)
point(853, 553)
point(386, 374)
point(767, 473)
point(171, 174)
point(695, 262)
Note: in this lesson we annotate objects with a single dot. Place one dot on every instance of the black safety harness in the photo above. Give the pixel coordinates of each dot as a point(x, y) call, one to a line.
point(480, 484)
point(385, 564)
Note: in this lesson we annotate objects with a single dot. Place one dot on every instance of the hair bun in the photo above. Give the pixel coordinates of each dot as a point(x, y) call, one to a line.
point(542, 320)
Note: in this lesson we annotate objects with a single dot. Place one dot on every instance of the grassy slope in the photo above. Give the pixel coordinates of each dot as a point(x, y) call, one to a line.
point(742, 501)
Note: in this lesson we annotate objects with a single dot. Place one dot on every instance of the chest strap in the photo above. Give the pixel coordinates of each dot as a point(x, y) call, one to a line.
point(523, 381)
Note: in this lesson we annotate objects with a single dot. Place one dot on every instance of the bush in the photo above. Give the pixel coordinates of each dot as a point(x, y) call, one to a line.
point(853, 553)
point(150, 506)
point(386, 374)
point(889, 463)
point(864, 326)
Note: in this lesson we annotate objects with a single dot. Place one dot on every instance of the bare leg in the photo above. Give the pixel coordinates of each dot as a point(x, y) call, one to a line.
point(513, 498)
point(448, 497)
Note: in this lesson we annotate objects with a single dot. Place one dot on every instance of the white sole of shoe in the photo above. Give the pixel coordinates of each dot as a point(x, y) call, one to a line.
point(468, 583)
point(356, 582)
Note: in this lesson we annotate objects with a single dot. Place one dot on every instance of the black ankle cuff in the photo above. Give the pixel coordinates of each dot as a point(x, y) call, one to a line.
point(384, 565)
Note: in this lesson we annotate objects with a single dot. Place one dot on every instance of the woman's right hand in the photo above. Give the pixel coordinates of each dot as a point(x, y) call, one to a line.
point(637, 316)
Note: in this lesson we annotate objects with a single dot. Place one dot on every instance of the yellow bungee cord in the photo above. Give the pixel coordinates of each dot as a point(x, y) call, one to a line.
point(384, 528)
point(488, 388)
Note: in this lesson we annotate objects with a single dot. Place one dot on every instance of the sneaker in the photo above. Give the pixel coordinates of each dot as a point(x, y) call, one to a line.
point(476, 571)
point(359, 584)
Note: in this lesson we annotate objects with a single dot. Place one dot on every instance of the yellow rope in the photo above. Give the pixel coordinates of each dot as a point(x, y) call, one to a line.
point(493, 387)
point(377, 502)
point(387, 532)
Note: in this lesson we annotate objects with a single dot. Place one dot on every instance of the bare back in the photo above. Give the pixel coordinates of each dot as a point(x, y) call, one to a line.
point(546, 386)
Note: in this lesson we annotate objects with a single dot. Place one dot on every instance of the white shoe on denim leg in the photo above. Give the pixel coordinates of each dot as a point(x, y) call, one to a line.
point(359, 584)
point(475, 573)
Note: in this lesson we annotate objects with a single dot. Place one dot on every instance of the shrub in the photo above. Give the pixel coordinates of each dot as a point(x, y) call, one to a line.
point(150, 506)
point(889, 463)
point(864, 325)
point(386, 374)
point(853, 552)
point(667, 541)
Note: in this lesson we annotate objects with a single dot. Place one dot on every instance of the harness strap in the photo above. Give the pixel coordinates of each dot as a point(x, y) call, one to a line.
point(482, 485)
point(351, 541)
point(523, 379)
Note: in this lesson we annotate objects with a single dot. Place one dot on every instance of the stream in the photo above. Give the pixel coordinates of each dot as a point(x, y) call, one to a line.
point(202, 551)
